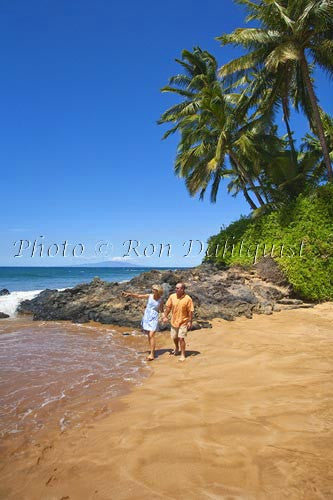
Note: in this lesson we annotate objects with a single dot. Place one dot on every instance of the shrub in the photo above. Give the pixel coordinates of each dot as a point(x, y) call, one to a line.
point(299, 237)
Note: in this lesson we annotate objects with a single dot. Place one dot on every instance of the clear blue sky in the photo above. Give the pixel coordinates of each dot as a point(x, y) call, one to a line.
point(82, 157)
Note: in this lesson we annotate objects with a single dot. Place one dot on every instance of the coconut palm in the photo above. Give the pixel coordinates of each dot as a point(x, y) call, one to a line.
point(311, 148)
point(209, 131)
point(263, 94)
point(311, 143)
point(286, 177)
point(292, 35)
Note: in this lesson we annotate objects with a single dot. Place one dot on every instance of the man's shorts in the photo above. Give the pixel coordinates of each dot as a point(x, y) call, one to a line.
point(178, 333)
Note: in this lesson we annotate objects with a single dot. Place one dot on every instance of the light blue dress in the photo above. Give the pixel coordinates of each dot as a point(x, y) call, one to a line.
point(150, 318)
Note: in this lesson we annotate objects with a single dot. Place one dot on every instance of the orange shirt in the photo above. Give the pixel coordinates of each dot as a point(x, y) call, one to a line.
point(180, 309)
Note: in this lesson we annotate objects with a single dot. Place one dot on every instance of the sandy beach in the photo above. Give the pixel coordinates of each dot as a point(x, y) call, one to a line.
point(248, 415)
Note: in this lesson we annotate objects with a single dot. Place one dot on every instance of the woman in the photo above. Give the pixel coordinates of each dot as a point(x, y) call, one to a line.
point(149, 321)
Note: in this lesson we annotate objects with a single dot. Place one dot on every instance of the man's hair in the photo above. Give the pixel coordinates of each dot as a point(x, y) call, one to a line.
point(182, 285)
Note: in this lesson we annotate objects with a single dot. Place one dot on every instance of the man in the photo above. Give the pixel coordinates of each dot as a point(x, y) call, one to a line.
point(181, 307)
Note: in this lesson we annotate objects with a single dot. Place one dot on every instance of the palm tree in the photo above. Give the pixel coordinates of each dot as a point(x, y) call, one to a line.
point(288, 177)
point(207, 122)
point(264, 92)
point(293, 35)
point(311, 144)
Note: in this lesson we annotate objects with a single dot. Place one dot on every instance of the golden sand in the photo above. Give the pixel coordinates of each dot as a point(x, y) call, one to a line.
point(248, 415)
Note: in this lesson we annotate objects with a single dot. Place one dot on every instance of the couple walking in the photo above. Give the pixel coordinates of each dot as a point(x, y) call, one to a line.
point(181, 307)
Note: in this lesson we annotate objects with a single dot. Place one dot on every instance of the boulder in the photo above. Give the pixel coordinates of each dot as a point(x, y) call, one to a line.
point(268, 270)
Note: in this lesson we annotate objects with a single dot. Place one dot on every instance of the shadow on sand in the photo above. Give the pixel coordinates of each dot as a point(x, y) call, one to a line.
point(169, 352)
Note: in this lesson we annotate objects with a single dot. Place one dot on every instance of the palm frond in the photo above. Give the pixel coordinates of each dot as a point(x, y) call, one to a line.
point(282, 54)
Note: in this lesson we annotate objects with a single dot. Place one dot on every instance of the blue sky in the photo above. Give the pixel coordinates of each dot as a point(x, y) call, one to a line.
point(81, 154)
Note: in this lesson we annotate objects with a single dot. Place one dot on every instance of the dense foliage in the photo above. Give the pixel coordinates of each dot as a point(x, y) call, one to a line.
point(227, 127)
point(299, 236)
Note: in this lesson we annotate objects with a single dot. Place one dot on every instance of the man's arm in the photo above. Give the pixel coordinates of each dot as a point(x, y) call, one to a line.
point(168, 307)
point(190, 314)
point(190, 317)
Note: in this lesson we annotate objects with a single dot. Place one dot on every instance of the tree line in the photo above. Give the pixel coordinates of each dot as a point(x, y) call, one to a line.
point(226, 116)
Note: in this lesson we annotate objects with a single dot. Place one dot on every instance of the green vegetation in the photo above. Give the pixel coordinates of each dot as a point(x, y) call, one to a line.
point(290, 34)
point(226, 117)
point(299, 237)
point(226, 123)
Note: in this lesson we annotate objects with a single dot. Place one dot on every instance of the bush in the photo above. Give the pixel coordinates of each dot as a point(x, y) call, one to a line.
point(298, 236)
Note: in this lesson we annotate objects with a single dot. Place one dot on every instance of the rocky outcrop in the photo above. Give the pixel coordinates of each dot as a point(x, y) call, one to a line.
point(268, 270)
point(4, 291)
point(3, 315)
point(222, 293)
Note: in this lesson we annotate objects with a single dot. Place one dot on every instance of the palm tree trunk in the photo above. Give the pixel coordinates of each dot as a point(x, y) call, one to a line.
point(248, 198)
point(263, 190)
point(247, 177)
point(286, 121)
point(316, 115)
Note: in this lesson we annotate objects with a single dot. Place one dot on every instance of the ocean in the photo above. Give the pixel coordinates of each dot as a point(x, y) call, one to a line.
point(57, 375)
point(27, 282)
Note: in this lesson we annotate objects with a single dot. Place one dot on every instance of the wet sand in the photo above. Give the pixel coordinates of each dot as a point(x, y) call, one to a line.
point(59, 375)
point(248, 415)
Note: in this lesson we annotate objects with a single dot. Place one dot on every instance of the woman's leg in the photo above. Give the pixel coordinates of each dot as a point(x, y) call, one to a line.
point(151, 340)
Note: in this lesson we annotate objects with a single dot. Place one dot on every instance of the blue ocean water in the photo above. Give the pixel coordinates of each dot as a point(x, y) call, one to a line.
point(40, 278)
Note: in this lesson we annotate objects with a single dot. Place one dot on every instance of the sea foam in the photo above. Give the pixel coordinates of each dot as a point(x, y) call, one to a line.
point(9, 303)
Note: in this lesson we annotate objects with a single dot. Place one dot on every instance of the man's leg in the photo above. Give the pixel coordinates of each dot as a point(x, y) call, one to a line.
point(182, 345)
point(174, 336)
point(182, 335)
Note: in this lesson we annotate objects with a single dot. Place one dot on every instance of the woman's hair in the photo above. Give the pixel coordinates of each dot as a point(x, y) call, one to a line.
point(159, 289)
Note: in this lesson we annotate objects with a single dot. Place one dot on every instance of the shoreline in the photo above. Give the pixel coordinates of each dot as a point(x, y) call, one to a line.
point(248, 415)
point(86, 369)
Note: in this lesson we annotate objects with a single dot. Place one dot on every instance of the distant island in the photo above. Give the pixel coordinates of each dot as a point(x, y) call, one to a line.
point(109, 263)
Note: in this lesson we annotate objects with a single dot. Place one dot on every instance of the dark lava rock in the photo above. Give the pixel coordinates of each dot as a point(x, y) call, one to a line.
point(269, 293)
point(4, 315)
point(39, 304)
point(268, 270)
point(217, 293)
point(4, 291)
point(289, 301)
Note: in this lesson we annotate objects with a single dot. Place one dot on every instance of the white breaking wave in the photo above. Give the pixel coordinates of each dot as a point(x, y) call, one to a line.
point(9, 303)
